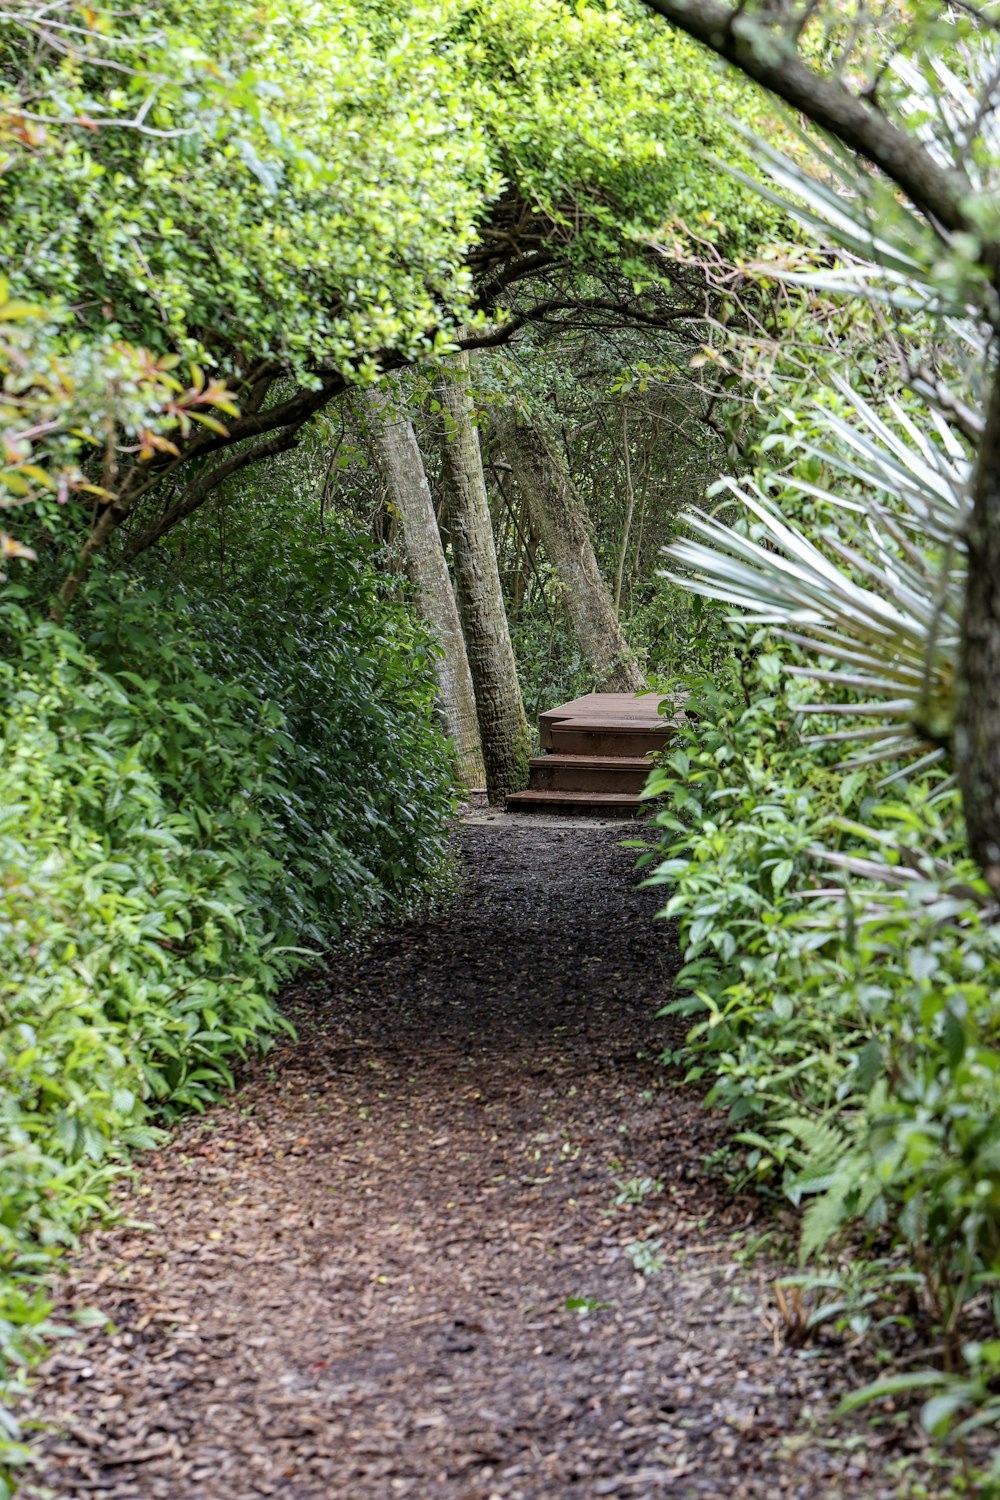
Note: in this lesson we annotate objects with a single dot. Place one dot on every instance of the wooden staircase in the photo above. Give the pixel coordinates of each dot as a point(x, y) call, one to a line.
point(594, 757)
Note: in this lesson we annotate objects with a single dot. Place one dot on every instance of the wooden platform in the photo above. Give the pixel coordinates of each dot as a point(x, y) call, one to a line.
point(595, 756)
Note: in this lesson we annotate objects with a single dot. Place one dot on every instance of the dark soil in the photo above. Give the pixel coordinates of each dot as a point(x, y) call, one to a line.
point(392, 1264)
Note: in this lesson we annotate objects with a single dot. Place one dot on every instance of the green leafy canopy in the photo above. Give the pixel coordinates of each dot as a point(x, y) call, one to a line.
point(318, 182)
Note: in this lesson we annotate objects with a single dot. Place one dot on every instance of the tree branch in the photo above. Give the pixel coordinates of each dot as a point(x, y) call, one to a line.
point(771, 60)
point(297, 409)
point(628, 316)
point(525, 265)
point(199, 489)
point(288, 416)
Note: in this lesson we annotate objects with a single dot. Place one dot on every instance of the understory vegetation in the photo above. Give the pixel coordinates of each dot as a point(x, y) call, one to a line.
point(842, 968)
point(842, 951)
point(203, 787)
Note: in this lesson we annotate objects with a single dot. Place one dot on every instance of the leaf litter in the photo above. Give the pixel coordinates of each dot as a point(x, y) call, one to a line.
point(392, 1263)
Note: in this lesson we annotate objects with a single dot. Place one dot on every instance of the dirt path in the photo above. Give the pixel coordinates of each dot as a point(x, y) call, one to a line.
point(356, 1282)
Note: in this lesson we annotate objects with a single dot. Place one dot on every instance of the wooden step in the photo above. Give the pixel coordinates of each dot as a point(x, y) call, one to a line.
point(607, 739)
point(598, 755)
point(588, 773)
point(635, 709)
point(585, 804)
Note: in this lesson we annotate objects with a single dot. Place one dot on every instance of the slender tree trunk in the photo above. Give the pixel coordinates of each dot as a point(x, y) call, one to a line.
point(558, 516)
point(977, 730)
point(629, 512)
point(520, 547)
point(643, 501)
point(518, 512)
point(502, 723)
point(402, 468)
point(99, 533)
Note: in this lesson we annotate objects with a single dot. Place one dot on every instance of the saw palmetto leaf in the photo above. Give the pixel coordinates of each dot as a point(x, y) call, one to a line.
point(872, 591)
point(874, 596)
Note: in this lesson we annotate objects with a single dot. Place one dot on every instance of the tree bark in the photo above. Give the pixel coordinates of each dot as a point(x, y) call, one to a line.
point(502, 723)
point(559, 517)
point(977, 727)
point(402, 468)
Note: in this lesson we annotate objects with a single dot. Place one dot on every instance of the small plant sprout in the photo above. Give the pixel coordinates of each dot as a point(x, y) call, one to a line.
point(647, 1256)
point(635, 1189)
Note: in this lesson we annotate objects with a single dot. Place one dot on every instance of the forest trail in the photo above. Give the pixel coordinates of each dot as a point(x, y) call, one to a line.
point(355, 1281)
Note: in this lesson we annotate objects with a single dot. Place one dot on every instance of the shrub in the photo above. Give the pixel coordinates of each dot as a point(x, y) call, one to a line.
point(842, 967)
point(193, 798)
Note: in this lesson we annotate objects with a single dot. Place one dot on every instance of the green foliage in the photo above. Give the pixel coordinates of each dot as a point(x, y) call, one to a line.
point(858, 553)
point(309, 181)
point(550, 665)
point(61, 401)
point(216, 204)
point(675, 630)
point(636, 1189)
point(842, 952)
point(842, 967)
point(193, 798)
point(344, 765)
point(646, 1256)
point(308, 190)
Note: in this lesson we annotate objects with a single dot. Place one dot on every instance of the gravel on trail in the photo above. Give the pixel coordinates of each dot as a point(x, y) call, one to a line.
point(392, 1262)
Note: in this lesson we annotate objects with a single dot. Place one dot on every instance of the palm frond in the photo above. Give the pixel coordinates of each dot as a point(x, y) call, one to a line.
point(875, 595)
point(873, 592)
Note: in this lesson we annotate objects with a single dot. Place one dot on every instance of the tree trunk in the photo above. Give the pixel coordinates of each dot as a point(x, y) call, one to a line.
point(629, 512)
point(402, 468)
point(502, 724)
point(977, 728)
point(560, 520)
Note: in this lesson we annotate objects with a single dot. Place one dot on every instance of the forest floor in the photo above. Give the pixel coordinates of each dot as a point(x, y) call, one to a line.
point(392, 1264)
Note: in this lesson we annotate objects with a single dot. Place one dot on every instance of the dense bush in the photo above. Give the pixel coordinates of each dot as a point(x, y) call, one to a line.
point(843, 971)
point(193, 796)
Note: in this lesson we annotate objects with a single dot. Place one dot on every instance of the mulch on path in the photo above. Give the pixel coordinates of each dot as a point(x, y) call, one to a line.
point(355, 1281)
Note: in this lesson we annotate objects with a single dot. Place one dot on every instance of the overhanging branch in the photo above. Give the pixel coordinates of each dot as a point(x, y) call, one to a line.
point(772, 61)
point(198, 491)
